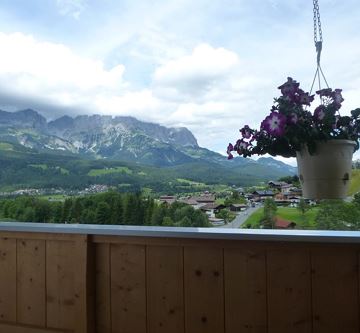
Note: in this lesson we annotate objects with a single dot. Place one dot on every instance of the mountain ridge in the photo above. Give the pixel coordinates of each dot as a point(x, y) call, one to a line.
point(120, 138)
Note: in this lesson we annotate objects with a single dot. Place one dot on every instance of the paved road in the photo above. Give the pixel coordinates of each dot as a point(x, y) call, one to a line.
point(241, 218)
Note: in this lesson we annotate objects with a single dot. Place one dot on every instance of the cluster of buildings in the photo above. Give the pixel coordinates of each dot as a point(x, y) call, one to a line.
point(32, 191)
point(283, 194)
point(205, 202)
point(92, 189)
point(95, 188)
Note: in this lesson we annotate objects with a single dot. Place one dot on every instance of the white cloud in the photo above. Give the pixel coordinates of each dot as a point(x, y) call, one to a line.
point(52, 72)
point(197, 73)
point(72, 8)
point(51, 76)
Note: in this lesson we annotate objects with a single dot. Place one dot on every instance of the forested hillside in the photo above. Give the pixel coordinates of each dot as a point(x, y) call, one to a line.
point(24, 168)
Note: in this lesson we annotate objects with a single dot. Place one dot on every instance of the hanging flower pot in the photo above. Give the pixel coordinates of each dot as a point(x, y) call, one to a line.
point(326, 173)
point(323, 141)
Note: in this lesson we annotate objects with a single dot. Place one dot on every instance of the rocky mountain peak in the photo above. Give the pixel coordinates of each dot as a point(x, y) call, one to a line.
point(27, 118)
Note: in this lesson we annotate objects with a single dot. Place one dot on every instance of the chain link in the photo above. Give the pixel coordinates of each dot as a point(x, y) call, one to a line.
point(317, 23)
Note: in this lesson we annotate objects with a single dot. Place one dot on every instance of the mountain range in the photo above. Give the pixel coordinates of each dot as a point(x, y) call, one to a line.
point(123, 139)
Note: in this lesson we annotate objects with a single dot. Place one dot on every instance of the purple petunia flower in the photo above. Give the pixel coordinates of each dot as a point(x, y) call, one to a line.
point(230, 148)
point(306, 99)
point(289, 87)
point(337, 97)
point(319, 113)
point(274, 124)
point(324, 92)
point(246, 132)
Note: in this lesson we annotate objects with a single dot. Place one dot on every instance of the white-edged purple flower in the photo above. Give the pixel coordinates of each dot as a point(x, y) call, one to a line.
point(274, 124)
point(324, 92)
point(319, 113)
point(246, 132)
point(289, 87)
point(230, 148)
point(241, 146)
point(337, 97)
point(306, 99)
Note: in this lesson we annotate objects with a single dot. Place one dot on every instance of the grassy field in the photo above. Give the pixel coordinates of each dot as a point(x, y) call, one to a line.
point(355, 182)
point(287, 213)
point(54, 197)
point(100, 172)
point(6, 146)
point(39, 166)
point(189, 182)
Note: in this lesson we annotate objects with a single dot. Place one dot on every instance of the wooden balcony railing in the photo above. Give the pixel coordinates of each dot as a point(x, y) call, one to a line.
point(81, 279)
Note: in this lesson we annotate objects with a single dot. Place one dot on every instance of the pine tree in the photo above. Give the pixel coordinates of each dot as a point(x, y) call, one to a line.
point(117, 211)
point(103, 213)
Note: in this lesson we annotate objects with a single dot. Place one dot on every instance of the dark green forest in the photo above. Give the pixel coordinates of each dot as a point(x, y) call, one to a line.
point(106, 208)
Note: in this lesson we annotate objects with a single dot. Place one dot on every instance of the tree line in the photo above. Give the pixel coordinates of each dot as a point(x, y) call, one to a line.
point(105, 208)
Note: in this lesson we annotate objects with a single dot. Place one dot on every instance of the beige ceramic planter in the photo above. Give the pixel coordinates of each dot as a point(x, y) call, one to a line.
point(326, 174)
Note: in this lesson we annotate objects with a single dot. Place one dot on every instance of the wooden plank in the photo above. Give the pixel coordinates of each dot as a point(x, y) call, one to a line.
point(165, 301)
point(31, 282)
point(289, 291)
point(84, 285)
point(9, 328)
point(103, 289)
point(38, 235)
point(335, 291)
point(128, 295)
point(60, 270)
point(204, 292)
point(7, 280)
point(245, 290)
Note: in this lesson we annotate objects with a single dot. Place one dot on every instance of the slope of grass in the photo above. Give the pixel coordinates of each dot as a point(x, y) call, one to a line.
point(100, 172)
point(6, 146)
point(355, 182)
point(39, 166)
point(287, 213)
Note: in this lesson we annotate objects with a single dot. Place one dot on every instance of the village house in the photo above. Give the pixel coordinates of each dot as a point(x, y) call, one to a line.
point(284, 224)
point(262, 195)
point(238, 207)
point(167, 199)
point(276, 185)
point(211, 209)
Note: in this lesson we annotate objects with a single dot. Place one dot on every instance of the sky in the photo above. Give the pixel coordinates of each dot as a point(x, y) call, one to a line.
point(212, 66)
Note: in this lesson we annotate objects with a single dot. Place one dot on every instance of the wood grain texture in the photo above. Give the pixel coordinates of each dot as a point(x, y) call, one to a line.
point(204, 292)
point(165, 301)
point(7, 279)
point(128, 293)
point(8, 328)
point(31, 286)
point(103, 288)
point(60, 271)
point(289, 291)
point(245, 290)
point(335, 291)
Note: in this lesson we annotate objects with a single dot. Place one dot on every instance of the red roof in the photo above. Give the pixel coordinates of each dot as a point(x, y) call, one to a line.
point(283, 224)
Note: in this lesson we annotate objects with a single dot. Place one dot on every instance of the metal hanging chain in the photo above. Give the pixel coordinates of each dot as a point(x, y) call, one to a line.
point(317, 23)
point(318, 41)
